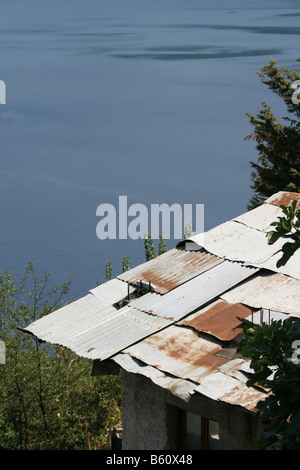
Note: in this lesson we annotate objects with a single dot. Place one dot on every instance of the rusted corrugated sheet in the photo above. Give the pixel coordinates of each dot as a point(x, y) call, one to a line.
point(195, 293)
point(241, 395)
point(220, 319)
point(223, 387)
point(179, 351)
point(284, 198)
point(267, 290)
point(170, 269)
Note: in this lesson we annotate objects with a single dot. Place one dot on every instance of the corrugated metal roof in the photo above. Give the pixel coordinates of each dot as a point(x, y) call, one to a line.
point(219, 319)
point(222, 387)
point(170, 269)
point(238, 242)
point(193, 294)
point(179, 351)
point(206, 292)
point(93, 331)
point(267, 290)
point(179, 387)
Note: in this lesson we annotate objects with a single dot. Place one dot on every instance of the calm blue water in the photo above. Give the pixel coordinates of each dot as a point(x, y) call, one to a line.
point(121, 97)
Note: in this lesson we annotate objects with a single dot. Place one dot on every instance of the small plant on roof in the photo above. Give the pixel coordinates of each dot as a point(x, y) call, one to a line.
point(287, 227)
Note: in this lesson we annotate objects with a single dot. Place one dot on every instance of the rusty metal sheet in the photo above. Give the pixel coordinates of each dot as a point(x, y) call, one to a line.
point(180, 352)
point(195, 293)
point(272, 291)
point(170, 269)
point(244, 396)
point(219, 319)
point(178, 387)
point(222, 387)
point(284, 198)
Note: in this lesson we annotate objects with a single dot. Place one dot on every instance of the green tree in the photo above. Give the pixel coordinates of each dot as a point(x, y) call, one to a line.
point(273, 350)
point(278, 143)
point(48, 398)
point(288, 227)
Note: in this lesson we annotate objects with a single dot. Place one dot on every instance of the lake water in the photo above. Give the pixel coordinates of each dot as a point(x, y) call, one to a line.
point(146, 99)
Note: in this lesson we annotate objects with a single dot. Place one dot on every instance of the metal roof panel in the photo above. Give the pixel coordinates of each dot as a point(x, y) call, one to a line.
point(237, 242)
point(261, 217)
point(180, 352)
point(112, 291)
point(93, 331)
point(179, 387)
point(170, 269)
point(223, 387)
point(284, 198)
point(195, 293)
point(220, 319)
point(267, 290)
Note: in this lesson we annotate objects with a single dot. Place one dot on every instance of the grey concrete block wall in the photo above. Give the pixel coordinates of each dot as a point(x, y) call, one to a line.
point(144, 410)
point(150, 418)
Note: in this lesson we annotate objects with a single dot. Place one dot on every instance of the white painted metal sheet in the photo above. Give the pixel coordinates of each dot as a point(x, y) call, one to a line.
point(291, 268)
point(179, 387)
point(235, 241)
point(93, 331)
point(193, 294)
point(270, 291)
point(265, 315)
point(261, 217)
point(112, 291)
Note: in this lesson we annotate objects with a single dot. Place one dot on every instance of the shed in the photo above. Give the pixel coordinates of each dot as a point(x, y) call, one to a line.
point(173, 325)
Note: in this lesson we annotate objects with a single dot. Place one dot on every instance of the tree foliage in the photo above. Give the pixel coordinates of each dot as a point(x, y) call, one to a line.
point(48, 398)
point(278, 143)
point(274, 354)
point(288, 227)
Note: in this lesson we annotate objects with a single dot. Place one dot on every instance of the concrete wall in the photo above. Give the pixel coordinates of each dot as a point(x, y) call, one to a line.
point(150, 418)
